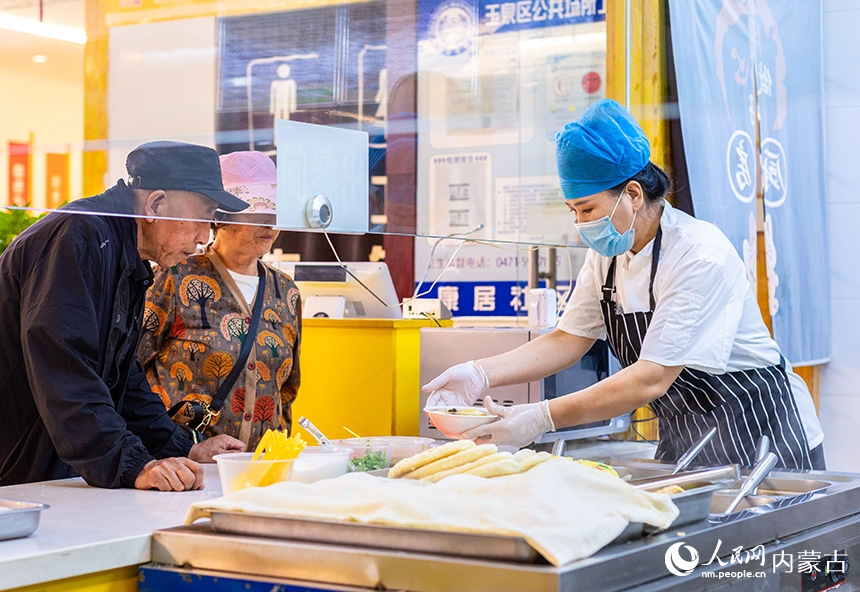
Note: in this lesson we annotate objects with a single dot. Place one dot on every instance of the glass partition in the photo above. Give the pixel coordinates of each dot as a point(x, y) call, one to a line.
point(460, 101)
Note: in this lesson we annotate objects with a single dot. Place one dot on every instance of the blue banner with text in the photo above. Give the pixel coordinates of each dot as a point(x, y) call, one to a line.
point(750, 96)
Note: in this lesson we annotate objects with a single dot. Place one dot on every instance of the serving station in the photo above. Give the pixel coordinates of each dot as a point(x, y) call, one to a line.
point(800, 532)
point(795, 523)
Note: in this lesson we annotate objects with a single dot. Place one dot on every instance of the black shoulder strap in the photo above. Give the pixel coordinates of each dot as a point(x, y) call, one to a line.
point(609, 284)
point(655, 258)
point(608, 287)
point(227, 385)
point(203, 413)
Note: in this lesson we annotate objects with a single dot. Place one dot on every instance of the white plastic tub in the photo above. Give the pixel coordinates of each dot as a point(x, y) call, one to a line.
point(238, 471)
point(321, 462)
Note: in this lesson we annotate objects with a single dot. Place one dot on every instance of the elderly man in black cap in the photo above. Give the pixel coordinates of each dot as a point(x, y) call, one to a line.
point(73, 397)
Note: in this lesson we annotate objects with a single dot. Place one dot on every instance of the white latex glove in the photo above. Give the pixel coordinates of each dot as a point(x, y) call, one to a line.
point(520, 425)
point(459, 385)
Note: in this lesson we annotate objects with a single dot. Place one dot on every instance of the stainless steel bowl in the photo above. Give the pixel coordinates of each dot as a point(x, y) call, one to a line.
point(18, 519)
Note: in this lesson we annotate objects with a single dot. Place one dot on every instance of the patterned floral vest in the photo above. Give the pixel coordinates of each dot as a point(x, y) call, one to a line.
point(194, 325)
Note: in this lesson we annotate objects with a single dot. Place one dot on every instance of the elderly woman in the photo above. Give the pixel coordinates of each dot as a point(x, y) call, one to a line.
point(221, 330)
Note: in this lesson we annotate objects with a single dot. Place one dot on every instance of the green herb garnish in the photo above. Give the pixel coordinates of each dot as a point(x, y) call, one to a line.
point(371, 461)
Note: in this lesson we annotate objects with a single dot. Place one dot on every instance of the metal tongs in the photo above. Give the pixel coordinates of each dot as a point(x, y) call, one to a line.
point(728, 475)
point(762, 448)
point(694, 450)
point(756, 476)
point(314, 431)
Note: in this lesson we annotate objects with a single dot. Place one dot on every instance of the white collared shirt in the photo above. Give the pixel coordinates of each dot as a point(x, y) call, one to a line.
point(706, 315)
point(247, 284)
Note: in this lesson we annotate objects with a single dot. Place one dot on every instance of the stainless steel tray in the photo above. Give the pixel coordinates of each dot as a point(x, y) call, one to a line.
point(463, 544)
point(18, 519)
point(416, 540)
point(693, 504)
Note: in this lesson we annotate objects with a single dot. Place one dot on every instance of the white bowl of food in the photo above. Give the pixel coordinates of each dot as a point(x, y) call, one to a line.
point(453, 421)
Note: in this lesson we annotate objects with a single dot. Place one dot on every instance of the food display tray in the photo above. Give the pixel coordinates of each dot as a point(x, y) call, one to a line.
point(18, 519)
point(398, 538)
point(464, 544)
point(694, 505)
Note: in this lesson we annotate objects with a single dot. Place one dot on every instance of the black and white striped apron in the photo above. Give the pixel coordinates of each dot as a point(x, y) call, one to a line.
point(742, 405)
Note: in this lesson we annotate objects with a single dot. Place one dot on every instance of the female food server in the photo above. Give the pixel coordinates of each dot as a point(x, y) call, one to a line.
point(671, 296)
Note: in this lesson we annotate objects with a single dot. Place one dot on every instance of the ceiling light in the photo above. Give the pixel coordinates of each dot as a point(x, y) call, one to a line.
point(40, 59)
point(42, 29)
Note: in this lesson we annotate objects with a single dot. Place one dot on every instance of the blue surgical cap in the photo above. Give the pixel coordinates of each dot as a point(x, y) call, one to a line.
point(601, 150)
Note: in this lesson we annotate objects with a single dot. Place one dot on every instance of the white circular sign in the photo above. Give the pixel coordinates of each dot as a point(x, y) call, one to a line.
point(740, 166)
point(774, 173)
point(452, 27)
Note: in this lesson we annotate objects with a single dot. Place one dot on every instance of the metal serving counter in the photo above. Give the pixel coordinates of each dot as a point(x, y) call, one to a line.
point(787, 543)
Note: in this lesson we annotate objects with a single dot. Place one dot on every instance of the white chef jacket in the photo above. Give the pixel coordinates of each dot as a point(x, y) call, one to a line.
point(706, 315)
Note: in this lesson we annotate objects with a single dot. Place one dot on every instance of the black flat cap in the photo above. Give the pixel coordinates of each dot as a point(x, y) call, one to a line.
point(180, 167)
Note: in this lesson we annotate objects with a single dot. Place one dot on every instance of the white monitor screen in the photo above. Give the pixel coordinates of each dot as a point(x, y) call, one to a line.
point(330, 280)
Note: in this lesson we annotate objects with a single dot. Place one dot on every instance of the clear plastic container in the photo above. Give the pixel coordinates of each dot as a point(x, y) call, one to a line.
point(406, 446)
point(321, 462)
point(368, 454)
point(238, 471)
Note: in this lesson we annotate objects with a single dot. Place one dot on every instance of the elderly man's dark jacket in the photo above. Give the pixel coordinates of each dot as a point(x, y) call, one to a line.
point(73, 397)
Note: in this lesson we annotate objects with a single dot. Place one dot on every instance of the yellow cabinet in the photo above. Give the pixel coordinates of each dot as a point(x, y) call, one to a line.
point(362, 374)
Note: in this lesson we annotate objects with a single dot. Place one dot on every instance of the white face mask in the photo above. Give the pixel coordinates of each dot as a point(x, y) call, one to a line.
point(602, 236)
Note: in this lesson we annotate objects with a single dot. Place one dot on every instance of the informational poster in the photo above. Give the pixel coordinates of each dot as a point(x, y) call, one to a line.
point(748, 64)
point(460, 190)
point(499, 79)
point(532, 208)
point(571, 81)
point(19, 174)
